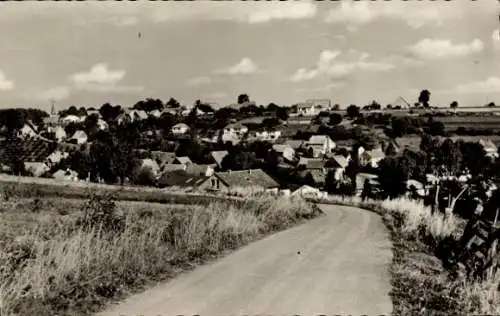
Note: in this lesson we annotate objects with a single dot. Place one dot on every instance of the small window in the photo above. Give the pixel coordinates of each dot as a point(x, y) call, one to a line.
point(213, 182)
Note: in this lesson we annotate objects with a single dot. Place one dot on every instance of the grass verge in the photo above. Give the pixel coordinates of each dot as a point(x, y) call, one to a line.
point(71, 259)
point(421, 283)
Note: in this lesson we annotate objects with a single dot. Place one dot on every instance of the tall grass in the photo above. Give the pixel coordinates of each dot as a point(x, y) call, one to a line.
point(421, 284)
point(75, 263)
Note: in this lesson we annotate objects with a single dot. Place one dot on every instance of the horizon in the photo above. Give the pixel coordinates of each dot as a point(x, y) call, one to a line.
point(90, 53)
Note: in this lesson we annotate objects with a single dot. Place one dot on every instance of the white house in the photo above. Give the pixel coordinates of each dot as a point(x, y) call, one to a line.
point(307, 191)
point(320, 144)
point(371, 157)
point(265, 135)
point(26, 131)
point(180, 129)
point(234, 133)
point(102, 125)
point(138, 115)
point(155, 113)
point(59, 132)
point(80, 137)
point(71, 119)
point(285, 150)
point(36, 169)
point(313, 107)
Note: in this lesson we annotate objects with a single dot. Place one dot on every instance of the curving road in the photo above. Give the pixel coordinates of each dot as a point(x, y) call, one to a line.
point(342, 268)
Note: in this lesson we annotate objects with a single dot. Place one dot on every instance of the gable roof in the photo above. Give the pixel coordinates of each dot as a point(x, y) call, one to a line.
point(176, 177)
point(318, 176)
point(245, 178)
point(79, 134)
point(184, 160)
point(487, 144)
point(294, 143)
point(236, 126)
point(318, 139)
point(280, 148)
point(340, 160)
point(180, 125)
point(375, 153)
point(196, 169)
point(219, 155)
point(315, 164)
point(401, 102)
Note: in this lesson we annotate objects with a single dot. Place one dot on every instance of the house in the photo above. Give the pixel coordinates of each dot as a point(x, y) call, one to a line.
point(490, 148)
point(400, 103)
point(138, 115)
point(71, 119)
point(180, 129)
point(371, 157)
point(294, 143)
point(234, 133)
point(183, 160)
point(163, 157)
point(169, 167)
point(200, 170)
point(267, 135)
point(173, 178)
point(65, 175)
point(313, 107)
point(320, 145)
point(51, 120)
point(150, 164)
point(230, 180)
point(59, 132)
point(36, 169)
point(337, 164)
point(218, 156)
point(307, 191)
point(80, 137)
point(56, 157)
point(102, 125)
point(285, 150)
point(28, 130)
point(155, 113)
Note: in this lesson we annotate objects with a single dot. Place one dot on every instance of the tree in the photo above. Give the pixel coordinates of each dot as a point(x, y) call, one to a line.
point(491, 104)
point(454, 105)
point(239, 160)
point(399, 126)
point(474, 158)
point(173, 103)
point(392, 176)
point(336, 107)
point(335, 119)
point(436, 128)
point(450, 156)
point(282, 113)
point(424, 98)
point(353, 111)
point(270, 122)
point(243, 98)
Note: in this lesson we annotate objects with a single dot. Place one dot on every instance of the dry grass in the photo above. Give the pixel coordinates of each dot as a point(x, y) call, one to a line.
point(66, 258)
point(421, 283)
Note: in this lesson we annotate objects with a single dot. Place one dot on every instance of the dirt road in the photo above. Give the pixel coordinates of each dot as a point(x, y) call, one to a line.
point(335, 264)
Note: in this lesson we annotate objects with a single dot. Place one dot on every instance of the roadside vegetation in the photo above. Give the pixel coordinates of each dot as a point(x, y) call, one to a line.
point(421, 282)
point(68, 257)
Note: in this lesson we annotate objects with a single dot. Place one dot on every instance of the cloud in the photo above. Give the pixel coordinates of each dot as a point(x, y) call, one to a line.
point(98, 74)
point(202, 80)
point(4, 83)
point(243, 12)
point(490, 85)
point(245, 67)
point(100, 79)
point(434, 49)
point(325, 88)
point(215, 95)
point(495, 39)
point(56, 93)
point(414, 14)
point(124, 21)
point(329, 65)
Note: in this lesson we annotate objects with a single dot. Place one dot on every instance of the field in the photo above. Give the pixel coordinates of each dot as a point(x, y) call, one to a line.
point(451, 123)
point(413, 141)
point(62, 256)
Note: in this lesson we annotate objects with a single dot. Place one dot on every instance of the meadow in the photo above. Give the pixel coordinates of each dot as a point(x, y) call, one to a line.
point(61, 256)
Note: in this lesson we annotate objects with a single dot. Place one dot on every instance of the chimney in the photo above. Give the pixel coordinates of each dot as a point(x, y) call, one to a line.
point(249, 171)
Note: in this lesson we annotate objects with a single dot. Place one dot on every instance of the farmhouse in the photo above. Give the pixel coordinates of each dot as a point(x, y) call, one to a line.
point(337, 164)
point(36, 169)
point(233, 133)
point(313, 107)
point(308, 191)
point(320, 145)
point(371, 157)
point(28, 130)
point(286, 151)
point(267, 135)
point(80, 137)
point(226, 181)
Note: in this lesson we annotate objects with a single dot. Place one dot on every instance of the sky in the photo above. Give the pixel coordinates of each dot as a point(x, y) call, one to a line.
point(89, 53)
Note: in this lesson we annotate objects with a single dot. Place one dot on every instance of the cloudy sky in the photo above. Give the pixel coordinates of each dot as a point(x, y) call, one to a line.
point(88, 53)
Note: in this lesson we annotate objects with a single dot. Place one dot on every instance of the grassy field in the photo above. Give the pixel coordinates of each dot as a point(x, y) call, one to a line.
point(421, 241)
point(73, 256)
point(413, 141)
point(451, 123)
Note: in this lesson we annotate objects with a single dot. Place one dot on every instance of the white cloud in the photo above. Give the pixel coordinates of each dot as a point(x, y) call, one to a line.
point(329, 65)
point(245, 67)
point(215, 95)
point(245, 12)
point(202, 80)
point(98, 74)
point(124, 21)
point(4, 83)
point(56, 93)
point(495, 39)
point(111, 88)
point(415, 14)
point(490, 85)
point(433, 49)
point(329, 87)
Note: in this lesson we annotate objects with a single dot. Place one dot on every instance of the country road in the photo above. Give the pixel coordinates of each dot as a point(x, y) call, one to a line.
point(334, 264)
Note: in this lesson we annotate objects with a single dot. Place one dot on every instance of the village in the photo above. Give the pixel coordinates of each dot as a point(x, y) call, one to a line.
point(310, 149)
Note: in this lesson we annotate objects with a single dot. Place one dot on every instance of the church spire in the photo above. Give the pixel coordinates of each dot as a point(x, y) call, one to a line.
point(52, 108)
